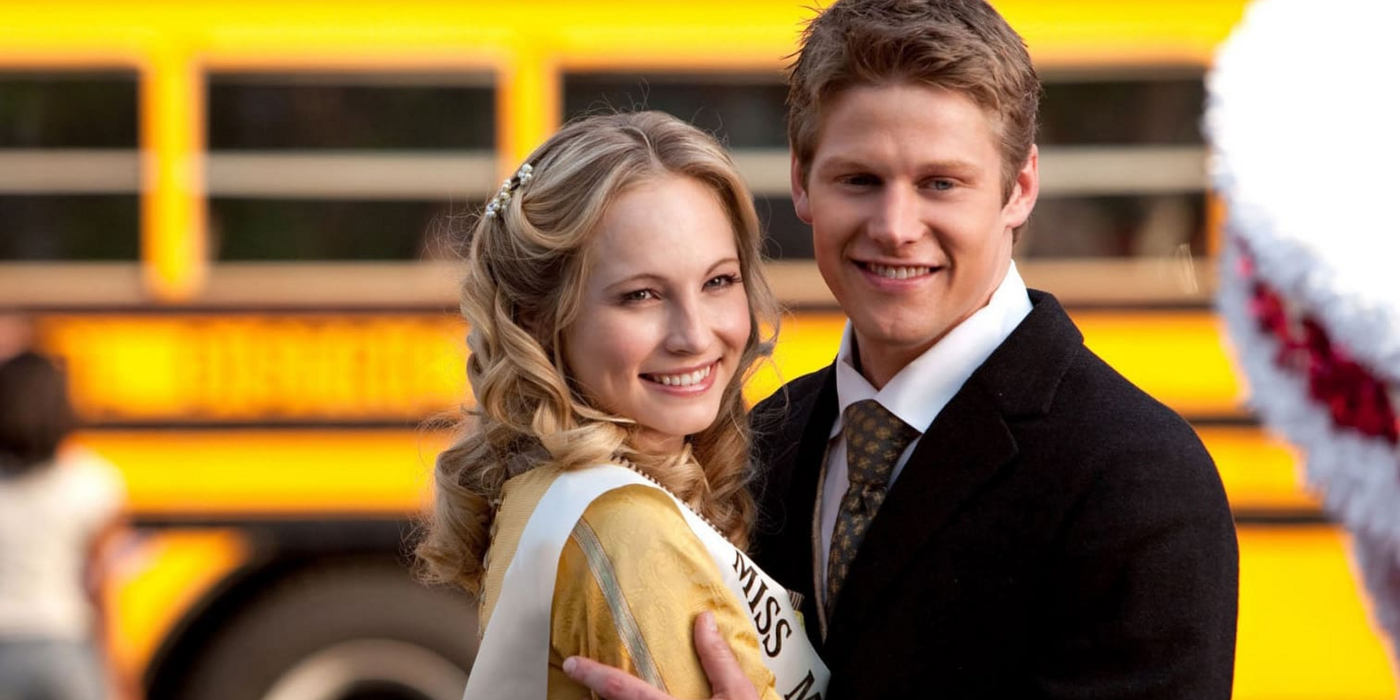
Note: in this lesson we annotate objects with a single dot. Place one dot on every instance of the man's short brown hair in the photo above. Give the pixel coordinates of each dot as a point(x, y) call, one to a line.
point(960, 45)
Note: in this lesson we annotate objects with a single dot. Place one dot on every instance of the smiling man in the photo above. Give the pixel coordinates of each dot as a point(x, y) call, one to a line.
point(968, 500)
point(911, 226)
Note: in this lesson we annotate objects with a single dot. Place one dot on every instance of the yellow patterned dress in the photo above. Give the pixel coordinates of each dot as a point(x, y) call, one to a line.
point(632, 576)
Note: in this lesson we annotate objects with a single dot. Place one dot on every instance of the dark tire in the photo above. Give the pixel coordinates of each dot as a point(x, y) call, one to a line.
point(342, 632)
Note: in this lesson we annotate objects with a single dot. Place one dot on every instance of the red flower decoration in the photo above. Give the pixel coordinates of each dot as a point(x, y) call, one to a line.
point(1353, 396)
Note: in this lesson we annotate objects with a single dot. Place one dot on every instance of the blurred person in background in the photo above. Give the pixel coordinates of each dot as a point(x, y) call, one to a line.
point(16, 335)
point(58, 506)
point(617, 304)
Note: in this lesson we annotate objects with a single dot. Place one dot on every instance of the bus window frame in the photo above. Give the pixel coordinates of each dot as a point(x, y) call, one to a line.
point(528, 57)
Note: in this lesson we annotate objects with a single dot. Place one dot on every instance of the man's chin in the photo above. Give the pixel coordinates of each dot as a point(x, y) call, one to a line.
point(892, 335)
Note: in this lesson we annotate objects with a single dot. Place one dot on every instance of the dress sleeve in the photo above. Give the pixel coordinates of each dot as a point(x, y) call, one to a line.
point(632, 579)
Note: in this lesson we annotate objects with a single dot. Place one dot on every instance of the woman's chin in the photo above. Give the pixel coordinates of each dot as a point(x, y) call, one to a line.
point(669, 439)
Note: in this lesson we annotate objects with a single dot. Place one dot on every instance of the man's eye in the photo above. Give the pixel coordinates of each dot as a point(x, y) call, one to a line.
point(941, 184)
point(860, 180)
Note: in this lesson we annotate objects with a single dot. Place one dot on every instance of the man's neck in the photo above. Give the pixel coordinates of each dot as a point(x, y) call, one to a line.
point(879, 363)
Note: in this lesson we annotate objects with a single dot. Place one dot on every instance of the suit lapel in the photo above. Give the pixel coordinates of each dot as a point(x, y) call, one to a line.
point(794, 455)
point(963, 449)
point(966, 446)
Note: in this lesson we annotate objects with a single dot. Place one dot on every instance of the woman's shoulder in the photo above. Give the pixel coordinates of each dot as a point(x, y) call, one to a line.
point(613, 493)
point(608, 499)
point(635, 509)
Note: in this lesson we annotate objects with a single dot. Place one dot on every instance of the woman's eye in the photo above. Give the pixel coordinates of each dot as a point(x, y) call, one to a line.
point(639, 295)
point(722, 281)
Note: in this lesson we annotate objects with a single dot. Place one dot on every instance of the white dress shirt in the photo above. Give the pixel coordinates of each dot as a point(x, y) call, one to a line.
point(917, 393)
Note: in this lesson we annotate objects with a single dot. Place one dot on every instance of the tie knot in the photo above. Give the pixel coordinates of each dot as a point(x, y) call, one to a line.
point(874, 440)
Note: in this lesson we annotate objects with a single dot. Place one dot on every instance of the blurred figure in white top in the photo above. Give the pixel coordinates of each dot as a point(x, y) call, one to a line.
point(58, 504)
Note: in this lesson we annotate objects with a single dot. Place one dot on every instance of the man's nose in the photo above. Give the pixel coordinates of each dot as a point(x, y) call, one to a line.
point(896, 220)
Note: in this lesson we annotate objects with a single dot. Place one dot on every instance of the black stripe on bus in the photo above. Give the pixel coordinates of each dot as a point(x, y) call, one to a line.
point(446, 421)
point(1224, 420)
point(363, 533)
point(1204, 306)
point(292, 534)
point(427, 423)
point(447, 308)
point(1282, 517)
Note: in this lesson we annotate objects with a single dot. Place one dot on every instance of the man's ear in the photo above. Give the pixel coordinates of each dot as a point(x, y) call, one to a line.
point(1025, 191)
point(800, 202)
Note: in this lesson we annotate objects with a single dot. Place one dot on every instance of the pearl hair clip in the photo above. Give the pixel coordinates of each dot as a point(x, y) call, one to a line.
point(502, 198)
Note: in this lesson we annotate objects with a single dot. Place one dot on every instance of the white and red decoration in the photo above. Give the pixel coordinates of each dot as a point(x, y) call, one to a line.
point(1304, 122)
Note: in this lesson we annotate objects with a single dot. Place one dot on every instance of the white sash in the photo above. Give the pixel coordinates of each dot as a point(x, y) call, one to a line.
point(513, 660)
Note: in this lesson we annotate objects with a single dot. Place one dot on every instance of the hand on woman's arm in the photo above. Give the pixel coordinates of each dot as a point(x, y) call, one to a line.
point(631, 579)
point(727, 679)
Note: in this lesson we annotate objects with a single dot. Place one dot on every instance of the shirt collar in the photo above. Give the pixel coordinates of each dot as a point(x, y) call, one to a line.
point(918, 393)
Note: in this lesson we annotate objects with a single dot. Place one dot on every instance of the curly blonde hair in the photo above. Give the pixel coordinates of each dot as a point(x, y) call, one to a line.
point(526, 266)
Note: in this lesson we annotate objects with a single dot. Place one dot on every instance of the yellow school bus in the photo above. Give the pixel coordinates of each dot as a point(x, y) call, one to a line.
point(233, 222)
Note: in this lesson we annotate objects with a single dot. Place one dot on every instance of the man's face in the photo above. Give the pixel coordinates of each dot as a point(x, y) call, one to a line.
point(905, 200)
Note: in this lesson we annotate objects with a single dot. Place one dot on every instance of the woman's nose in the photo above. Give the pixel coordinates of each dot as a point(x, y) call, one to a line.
point(689, 331)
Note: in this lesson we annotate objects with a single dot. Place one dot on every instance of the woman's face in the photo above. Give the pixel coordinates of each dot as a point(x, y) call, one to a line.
point(664, 318)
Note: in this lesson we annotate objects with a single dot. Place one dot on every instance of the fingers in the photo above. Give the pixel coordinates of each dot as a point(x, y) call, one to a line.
point(609, 682)
point(727, 679)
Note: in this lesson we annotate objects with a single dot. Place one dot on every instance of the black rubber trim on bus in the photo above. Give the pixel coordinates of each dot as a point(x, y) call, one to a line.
point(295, 535)
point(274, 311)
point(1224, 420)
point(426, 423)
point(1282, 518)
point(357, 534)
point(1204, 306)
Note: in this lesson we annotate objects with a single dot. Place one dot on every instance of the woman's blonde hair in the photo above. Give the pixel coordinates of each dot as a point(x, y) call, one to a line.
point(526, 264)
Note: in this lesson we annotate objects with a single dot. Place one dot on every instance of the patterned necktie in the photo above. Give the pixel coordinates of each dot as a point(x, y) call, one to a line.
point(874, 440)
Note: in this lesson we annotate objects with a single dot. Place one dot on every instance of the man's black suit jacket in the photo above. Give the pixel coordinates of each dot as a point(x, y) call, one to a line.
point(1056, 534)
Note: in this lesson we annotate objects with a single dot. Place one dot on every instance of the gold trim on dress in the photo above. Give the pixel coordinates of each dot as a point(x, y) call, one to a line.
point(631, 635)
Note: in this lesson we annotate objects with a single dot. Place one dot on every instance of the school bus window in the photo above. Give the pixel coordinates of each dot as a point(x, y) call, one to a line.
point(745, 110)
point(283, 229)
point(786, 237)
point(1122, 166)
point(67, 109)
point(1116, 227)
point(42, 227)
point(344, 166)
point(68, 166)
point(1158, 110)
point(351, 111)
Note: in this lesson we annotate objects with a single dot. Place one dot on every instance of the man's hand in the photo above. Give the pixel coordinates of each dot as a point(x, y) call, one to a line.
point(726, 678)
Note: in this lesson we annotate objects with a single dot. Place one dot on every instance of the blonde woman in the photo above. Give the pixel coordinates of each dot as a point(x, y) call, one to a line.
point(597, 497)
